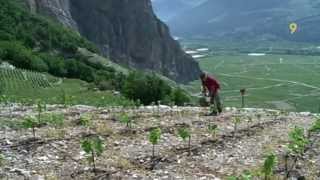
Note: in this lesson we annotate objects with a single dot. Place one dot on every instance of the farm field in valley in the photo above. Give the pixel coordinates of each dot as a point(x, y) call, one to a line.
point(288, 82)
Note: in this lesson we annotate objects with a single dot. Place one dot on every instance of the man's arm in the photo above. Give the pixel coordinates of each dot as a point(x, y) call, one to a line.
point(204, 89)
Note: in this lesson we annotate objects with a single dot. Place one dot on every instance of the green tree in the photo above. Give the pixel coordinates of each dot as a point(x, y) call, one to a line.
point(179, 97)
point(146, 87)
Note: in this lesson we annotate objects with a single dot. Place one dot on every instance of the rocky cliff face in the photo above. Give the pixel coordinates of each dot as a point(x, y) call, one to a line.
point(59, 9)
point(126, 31)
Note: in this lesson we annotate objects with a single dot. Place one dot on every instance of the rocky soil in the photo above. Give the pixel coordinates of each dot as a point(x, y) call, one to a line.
point(56, 152)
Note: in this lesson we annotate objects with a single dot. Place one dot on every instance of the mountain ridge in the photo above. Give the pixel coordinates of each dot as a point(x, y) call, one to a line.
point(250, 19)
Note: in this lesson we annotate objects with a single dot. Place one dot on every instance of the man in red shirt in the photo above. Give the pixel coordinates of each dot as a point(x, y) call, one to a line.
point(211, 85)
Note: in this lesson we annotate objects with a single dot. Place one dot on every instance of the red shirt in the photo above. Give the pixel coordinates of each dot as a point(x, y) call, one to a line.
point(211, 83)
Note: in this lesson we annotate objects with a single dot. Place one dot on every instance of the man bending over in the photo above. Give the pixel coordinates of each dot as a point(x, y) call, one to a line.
point(211, 87)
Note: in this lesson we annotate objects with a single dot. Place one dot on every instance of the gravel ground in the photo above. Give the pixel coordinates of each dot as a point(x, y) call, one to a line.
point(56, 152)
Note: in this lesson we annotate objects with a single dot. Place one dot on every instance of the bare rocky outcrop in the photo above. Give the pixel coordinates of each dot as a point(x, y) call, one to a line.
point(60, 9)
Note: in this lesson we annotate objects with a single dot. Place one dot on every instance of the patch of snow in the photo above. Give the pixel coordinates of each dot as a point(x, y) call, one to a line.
point(191, 52)
point(202, 49)
point(176, 38)
point(256, 54)
point(198, 56)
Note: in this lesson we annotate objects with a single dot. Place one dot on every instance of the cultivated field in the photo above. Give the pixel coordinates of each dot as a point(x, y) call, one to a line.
point(23, 86)
point(289, 82)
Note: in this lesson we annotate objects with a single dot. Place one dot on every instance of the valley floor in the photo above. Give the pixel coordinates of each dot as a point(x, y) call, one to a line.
point(285, 82)
point(56, 152)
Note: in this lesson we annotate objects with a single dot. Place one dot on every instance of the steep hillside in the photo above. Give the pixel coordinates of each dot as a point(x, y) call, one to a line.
point(33, 42)
point(244, 19)
point(126, 31)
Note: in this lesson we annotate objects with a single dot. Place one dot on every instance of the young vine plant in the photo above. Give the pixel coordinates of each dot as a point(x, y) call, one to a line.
point(246, 175)
point(236, 121)
point(269, 166)
point(125, 119)
point(315, 128)
point(85, 120)
point(93, 147)
point(154, 138)
point(31, 123)
point(2, 160)
point(41, 108)
point(184, 133)
point(57, 120)
point(297, 141)
point(213, 128)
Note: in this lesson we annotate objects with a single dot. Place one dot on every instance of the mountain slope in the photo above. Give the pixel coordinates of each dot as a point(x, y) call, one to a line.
point(166, 9)
point(126, 31)
point(250, 18)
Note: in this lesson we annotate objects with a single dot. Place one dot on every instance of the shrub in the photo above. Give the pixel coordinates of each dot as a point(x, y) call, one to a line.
point(146, 87)
point(105, 85)
point(16, 54)
point(38, 64)
point(180, 97)
point(56, 65)
point(22, 57)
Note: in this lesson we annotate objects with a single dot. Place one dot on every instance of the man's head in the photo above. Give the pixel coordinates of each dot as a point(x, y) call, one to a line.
point(203, 76)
